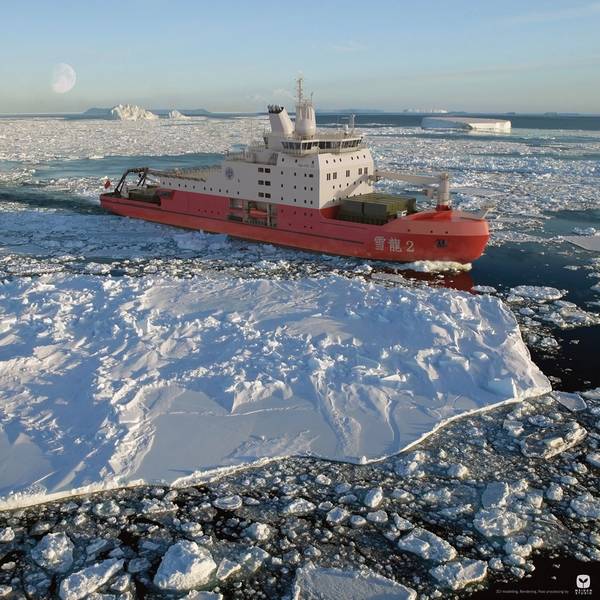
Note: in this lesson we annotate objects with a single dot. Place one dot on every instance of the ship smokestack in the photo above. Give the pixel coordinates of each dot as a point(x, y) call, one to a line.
point(281, 123)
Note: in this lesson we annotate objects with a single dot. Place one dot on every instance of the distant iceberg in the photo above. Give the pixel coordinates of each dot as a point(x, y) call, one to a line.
point(131, 112)
point(468, 123)
point(175, 114)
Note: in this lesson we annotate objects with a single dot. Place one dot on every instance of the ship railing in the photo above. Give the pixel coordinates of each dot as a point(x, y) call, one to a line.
point(254, 154)
point(317, 150)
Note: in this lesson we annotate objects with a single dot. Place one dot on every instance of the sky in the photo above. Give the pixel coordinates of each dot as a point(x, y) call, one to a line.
point(513, 55)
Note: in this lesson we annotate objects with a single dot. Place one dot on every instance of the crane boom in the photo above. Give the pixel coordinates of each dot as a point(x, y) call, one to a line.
point(441, 180)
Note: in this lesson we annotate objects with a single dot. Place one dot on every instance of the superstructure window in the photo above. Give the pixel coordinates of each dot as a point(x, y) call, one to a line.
point(260, 170)
point(335, 175)
point(261, 182)
point(267, 170)
point(366, 170)
point(267, 195)
point(261, 194)
point(360, 171)
point(267, 182)
point(347, 172)
point(328, 176)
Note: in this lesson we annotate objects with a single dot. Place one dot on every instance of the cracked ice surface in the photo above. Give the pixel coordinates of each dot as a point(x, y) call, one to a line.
point(156, 378)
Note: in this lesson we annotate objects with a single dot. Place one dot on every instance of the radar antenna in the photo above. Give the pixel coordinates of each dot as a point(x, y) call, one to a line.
point(299, 85)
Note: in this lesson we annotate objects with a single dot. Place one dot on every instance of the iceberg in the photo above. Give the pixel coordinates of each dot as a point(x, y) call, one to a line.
point(467, 123)
point(175, 114)
point(131, 112)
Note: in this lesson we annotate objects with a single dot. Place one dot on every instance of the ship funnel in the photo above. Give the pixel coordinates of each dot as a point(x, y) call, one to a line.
point(280, 120)
point(306, 122)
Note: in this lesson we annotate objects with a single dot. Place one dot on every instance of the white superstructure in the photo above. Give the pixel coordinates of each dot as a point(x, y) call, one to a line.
point(294, 164)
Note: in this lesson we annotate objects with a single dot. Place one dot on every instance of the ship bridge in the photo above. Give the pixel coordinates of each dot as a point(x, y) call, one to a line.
point(301, 137)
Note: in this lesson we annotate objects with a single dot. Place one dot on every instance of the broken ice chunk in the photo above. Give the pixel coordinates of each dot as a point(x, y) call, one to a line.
point(497, 522)
point(458, 574)
point(427, 545)
point(554, 440)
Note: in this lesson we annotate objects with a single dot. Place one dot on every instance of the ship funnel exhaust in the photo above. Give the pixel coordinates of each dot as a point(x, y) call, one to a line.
point(281, 123)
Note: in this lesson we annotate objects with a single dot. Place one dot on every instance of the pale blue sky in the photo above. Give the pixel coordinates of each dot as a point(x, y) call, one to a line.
point(237, 56)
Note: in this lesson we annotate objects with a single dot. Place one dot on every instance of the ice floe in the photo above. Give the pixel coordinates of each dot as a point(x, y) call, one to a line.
point(458, 574)
point(314, 583)
point(86, 581)
point(185, 566)
point(146, 374)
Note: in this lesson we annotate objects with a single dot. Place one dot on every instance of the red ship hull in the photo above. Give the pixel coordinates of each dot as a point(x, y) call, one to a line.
point(445, 235)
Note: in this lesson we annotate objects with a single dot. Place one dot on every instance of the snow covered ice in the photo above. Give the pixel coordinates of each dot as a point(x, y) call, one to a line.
point(288, 367)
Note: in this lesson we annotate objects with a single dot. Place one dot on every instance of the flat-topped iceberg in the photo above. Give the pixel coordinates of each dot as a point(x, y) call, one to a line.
point(467, 123)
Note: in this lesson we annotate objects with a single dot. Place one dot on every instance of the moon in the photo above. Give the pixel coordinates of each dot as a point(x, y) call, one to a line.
point(63, 78)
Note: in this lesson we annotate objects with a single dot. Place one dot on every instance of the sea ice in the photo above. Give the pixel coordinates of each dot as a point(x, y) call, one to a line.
point(54, 552)
point(317, 583)
point(497, 522)
point(185, 566)
point(553, 440)
point(279, 365)
point(427, 545)
point(373, 497)
point(336, 515)
point(495, 494)
point(586, 506)
point(86, 581)
point(228, 502)
point(258, 531)
point(539, 293)
point(300, 506)
point(460, 573)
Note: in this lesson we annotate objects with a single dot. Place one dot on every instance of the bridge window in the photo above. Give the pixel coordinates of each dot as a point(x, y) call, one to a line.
point(261, 182)
point(267, 195)
point(260, 170)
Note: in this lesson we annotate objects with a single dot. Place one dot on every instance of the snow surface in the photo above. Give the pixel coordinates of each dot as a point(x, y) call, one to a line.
point(317, 583)
point(117, 379)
